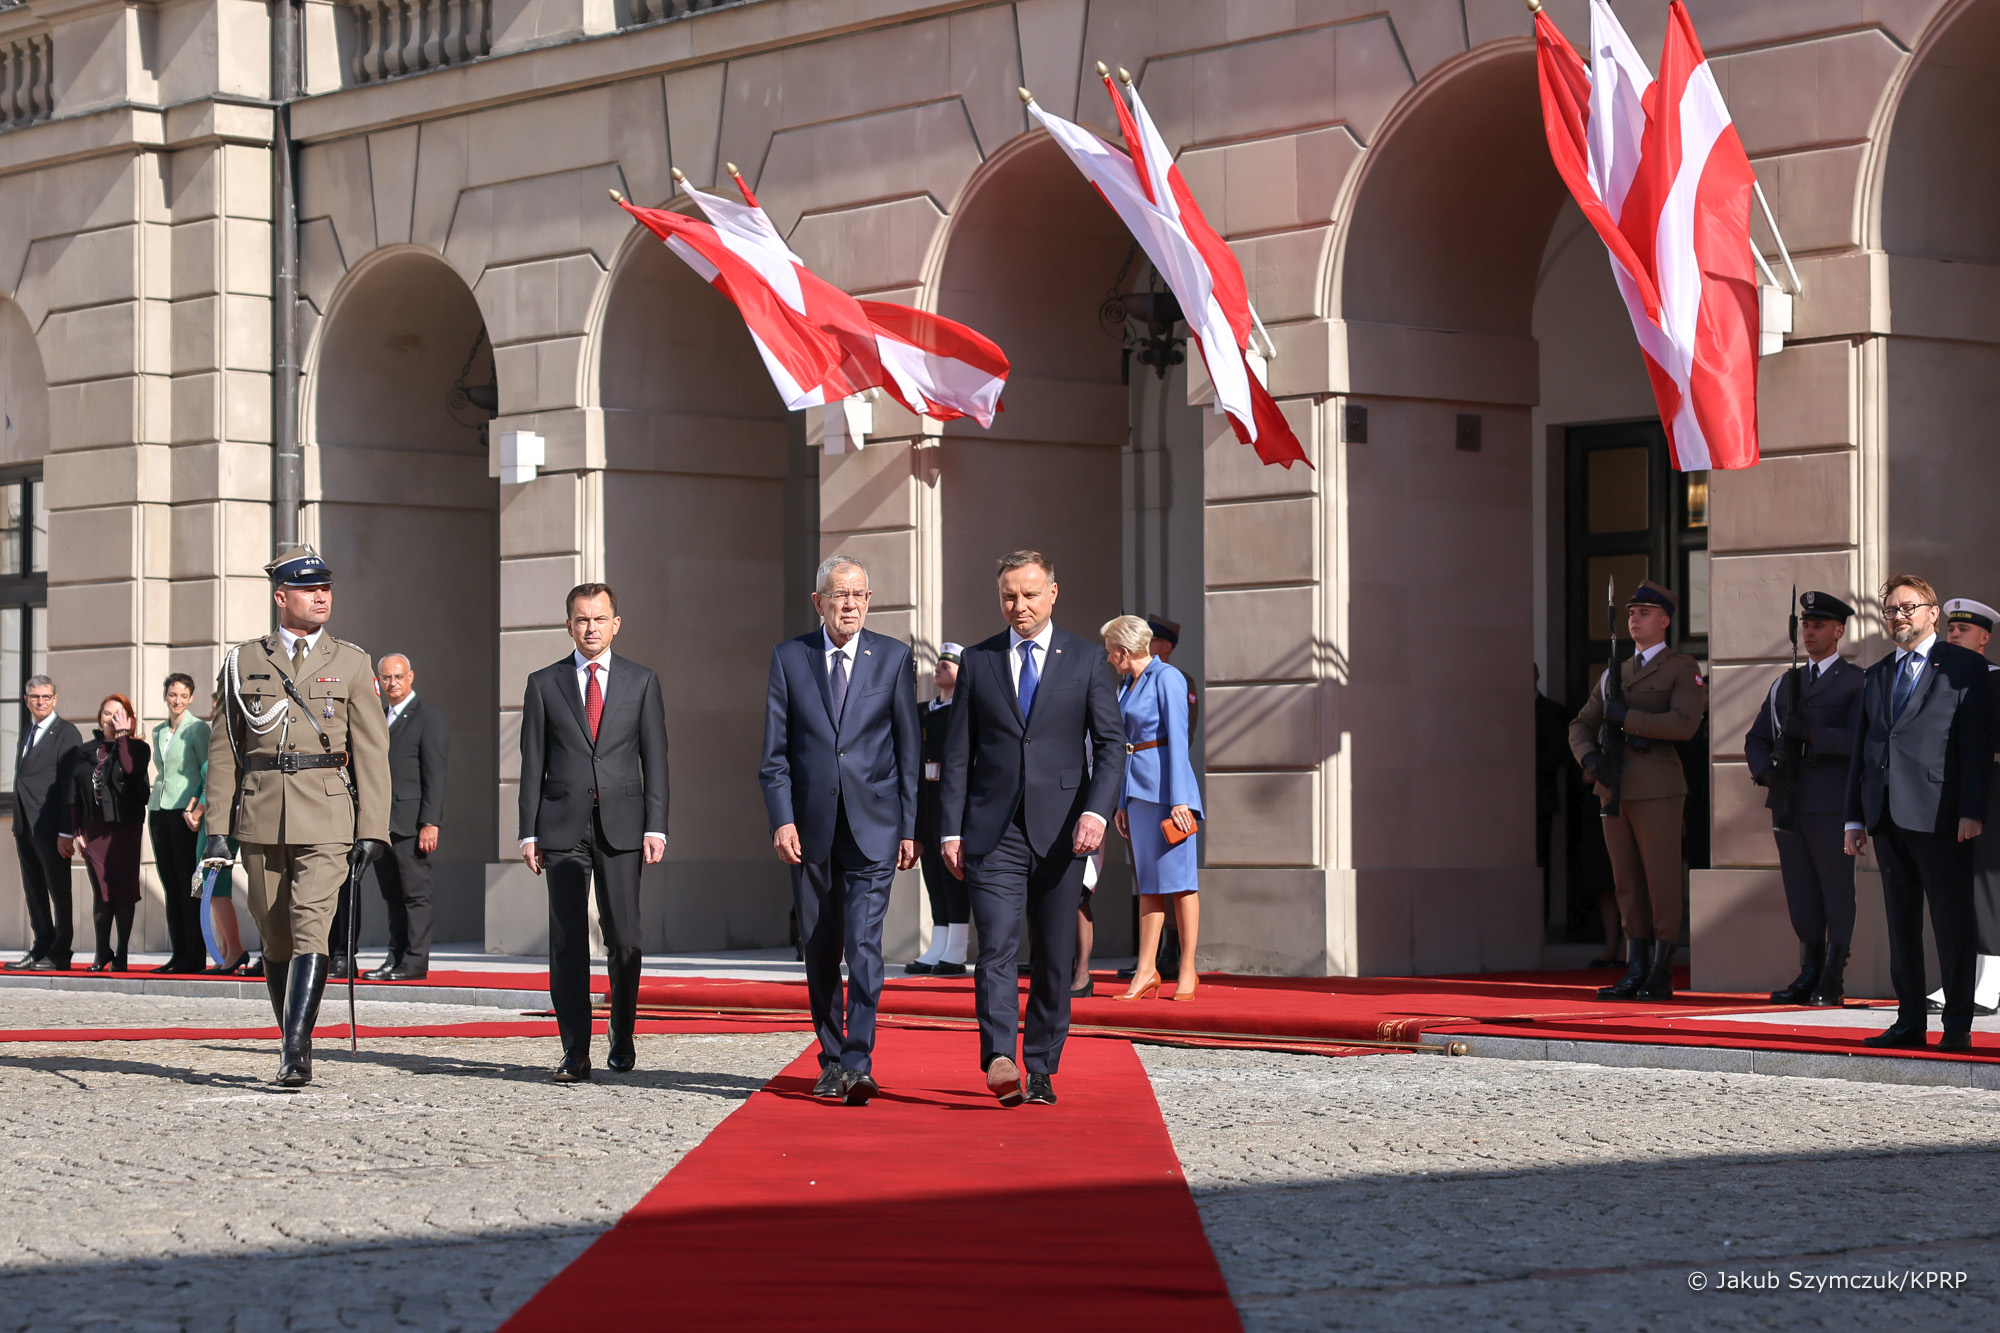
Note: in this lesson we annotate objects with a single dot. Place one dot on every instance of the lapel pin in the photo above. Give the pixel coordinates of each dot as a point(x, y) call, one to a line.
point(868, 652)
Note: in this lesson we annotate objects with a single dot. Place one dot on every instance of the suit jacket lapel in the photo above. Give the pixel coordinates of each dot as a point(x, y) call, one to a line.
point(566, 686)
point(815, 643)
point(617, 684)
point(1925, 683)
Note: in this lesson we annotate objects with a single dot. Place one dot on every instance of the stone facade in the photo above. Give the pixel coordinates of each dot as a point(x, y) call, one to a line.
point(1378, 166)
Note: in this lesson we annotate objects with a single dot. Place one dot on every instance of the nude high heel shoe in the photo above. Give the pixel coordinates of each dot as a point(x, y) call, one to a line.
point(1139, 992)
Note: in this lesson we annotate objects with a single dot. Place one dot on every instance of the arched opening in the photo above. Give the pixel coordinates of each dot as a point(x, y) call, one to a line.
point(24, 530)
point(710, 530)
point(1492, 363)
point(1940, 225)
point(408, 518)
point(1097, 459)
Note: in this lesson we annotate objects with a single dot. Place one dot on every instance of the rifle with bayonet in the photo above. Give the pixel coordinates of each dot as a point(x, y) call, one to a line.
point(1611, 735)
point(1788, 757)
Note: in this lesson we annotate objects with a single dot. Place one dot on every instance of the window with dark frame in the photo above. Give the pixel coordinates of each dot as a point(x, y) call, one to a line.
point(24, 604)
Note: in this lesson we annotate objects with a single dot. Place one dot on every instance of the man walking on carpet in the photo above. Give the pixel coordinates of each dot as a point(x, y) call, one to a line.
point(842, 753)
point(1022, 814)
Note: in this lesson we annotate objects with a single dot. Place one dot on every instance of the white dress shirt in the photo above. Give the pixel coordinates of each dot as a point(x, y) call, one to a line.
point(288, 638)
point(582, 664)
point(36, 732)
point(1922, 652)
point(397, 710)
point(1040, 652)
point(846, 650)
point(1821, 665)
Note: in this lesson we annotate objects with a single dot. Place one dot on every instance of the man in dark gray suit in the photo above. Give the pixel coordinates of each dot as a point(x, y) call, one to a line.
point(1918, 784)
point(842, 751)
point(42, 767)
point(593, 807)
point(1034, 758)
point(419, 747)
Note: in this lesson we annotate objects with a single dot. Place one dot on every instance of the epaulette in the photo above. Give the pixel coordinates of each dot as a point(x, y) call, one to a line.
point(355, 646)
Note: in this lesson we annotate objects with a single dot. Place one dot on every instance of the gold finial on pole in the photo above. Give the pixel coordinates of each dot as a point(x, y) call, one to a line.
point(1026, 96)
point(1534, 6)
point(1125, 76)
point(680, 177)
point(1102, 72)
point(730, 167)
point(617, 198)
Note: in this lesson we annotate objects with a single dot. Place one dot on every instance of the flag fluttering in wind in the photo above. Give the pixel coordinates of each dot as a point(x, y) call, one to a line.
point(934, 366)
point(1146, 190)
point(1658, 170)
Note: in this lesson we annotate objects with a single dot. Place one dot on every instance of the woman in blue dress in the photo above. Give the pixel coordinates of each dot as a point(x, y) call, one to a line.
point(1160, 787)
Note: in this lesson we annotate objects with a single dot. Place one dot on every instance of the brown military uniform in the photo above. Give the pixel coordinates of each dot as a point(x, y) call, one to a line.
point(295, 826)
point(1666, 697)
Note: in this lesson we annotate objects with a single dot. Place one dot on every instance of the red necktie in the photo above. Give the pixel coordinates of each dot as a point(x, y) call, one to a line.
point(593, 701)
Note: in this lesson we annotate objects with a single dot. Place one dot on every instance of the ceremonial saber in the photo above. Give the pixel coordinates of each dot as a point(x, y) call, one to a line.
point(354, 873)
point(204, 889)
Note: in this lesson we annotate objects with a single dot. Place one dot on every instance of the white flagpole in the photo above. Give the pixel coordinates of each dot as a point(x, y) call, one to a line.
point(1777, 236)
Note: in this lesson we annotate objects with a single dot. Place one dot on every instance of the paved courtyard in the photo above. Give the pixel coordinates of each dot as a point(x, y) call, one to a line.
point(435, 1184)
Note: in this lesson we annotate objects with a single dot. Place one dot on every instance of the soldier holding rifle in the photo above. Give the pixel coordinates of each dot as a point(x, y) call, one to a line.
point(300, 754)
point(1799, 748)
point(1624, 739)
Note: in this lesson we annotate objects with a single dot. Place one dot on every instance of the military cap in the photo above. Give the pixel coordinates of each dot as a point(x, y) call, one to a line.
point(1165, 629)
point(950, 652)
point(299, 567)
point(1649, 593)
point(1823, 606)
point(1965, 611)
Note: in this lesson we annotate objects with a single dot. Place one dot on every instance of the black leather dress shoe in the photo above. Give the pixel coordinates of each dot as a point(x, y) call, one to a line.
point(339, 968)
point(23, 963)
point(1955, 1042)
point(1933, 1006)
point(1898, 1036)
point(1985, 1010)
point(1041, 1090)
point(831, 1084)
point(382, 973)
point(101, 965)
point(622, 1057)
point(48, 965)
point(918, 968)
point(860, 1086)
point(949, 970)
point(406, 970)
point(572, 1070)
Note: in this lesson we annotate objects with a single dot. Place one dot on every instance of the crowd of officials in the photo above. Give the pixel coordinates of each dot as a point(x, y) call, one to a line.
point(100, 799)
point(1902, 753)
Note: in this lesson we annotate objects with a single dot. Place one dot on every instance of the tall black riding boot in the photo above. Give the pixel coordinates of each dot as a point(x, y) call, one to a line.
point(1636, 952)
point(1830, 991)
point(274, 982)
point(1659, 982)
point(1812, 961)
point(304, 985)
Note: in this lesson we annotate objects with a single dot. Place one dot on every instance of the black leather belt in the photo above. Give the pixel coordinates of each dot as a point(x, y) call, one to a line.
point(291, 762)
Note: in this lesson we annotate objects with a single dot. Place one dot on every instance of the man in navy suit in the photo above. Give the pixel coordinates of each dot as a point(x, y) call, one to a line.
point(842, 753)
point(1033, 762)
point(593, 806)
point(1918, 784)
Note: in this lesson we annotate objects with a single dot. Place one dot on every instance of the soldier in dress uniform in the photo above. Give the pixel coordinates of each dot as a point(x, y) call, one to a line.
point(298, 774)
point(1969, 624)
point(1799, 748)
point(1664, 701)
point(951, 902)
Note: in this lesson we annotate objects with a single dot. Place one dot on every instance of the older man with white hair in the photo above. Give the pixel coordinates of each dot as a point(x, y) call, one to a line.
point(842, 754)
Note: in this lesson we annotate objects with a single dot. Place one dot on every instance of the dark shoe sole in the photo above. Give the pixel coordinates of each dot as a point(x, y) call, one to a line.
point(1954, 1046)
point(291, 1076)
point(860, 1089)
point(571, 1076)
point(1008, 1096)
point(1915, 1043)
point(624, 1066)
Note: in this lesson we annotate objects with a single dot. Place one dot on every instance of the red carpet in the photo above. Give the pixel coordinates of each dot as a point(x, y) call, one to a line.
point(933, 1207)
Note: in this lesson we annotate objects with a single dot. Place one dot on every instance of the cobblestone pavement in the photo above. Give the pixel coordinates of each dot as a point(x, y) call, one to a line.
point(1420, 1192)
point(425, 1184)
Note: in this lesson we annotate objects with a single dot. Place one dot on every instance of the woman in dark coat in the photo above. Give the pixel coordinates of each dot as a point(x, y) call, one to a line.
point(107, 823)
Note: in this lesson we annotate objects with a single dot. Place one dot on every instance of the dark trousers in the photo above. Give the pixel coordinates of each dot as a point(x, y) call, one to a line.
point(571, 873)
point(404, 876)
point(45, 881)
point(1010, 885)
point(104, 916)
point(1819, 879)
point(841, 902)
point(174, 852)
point(1933, 867)
point(951, 899)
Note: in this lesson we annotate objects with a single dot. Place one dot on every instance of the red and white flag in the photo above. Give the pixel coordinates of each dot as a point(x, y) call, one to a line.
point(800, 355)
point(1658, 169)
point(934, 366)
point(1146, 190)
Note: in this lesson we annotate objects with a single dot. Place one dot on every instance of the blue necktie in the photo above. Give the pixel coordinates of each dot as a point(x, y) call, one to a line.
point(1906, 684)
point(839, 686)
point(1029, 677)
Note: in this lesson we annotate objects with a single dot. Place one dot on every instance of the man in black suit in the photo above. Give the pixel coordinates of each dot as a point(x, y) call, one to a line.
point(1918, 783)
point(1800, 747)
point(1034, 760)
point(593, 805)
point(419, 745)
point(839, 772)
point(42, 768)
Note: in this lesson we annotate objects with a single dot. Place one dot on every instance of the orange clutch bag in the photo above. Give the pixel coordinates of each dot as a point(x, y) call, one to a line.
point(1175, 837)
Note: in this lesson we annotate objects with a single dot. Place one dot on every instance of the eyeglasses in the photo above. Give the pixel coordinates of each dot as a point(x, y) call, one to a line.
point(1903, 610)
point(843, 598)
